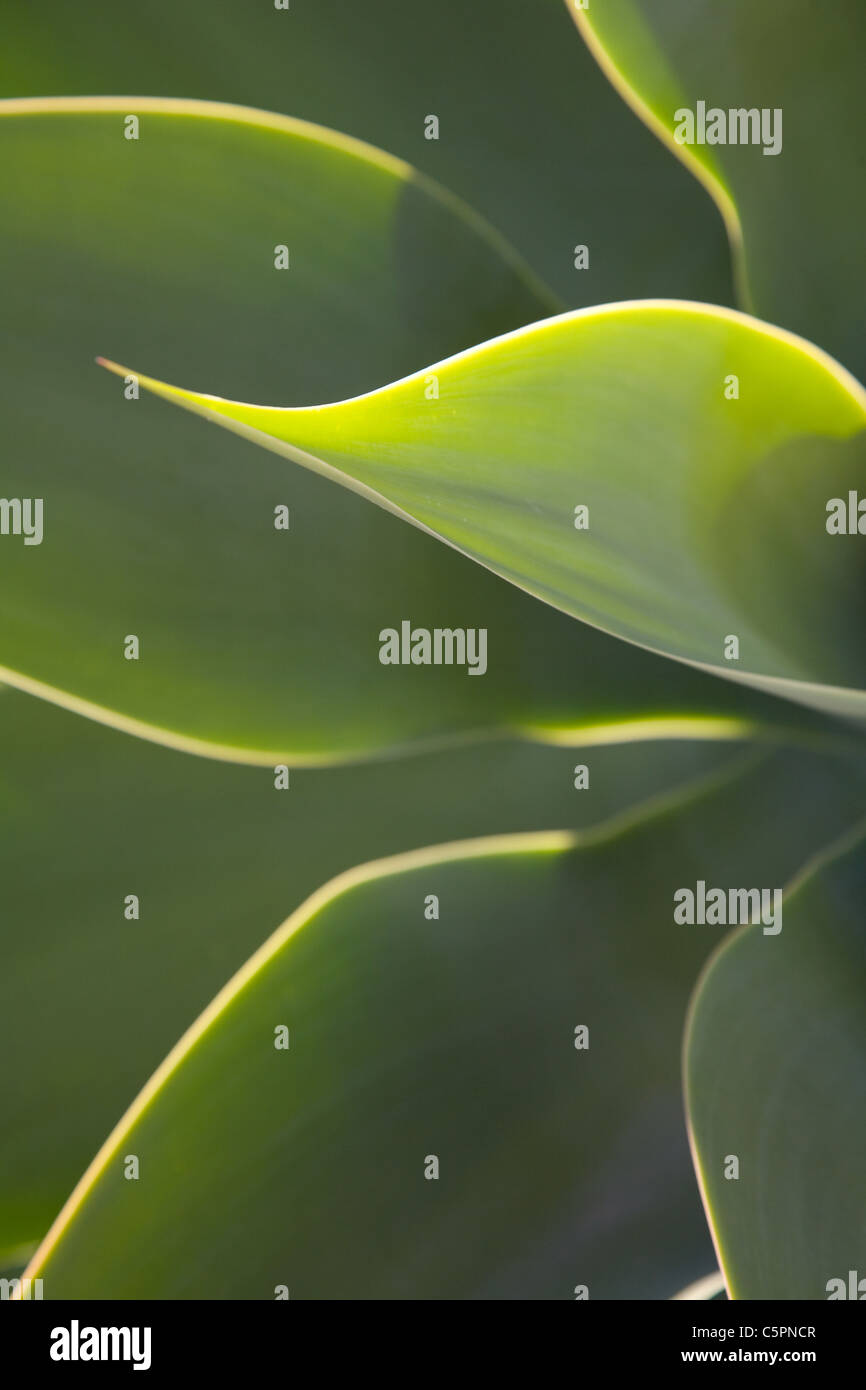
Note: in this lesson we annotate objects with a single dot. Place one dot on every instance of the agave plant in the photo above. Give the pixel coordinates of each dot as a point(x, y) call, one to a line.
point(545, 398)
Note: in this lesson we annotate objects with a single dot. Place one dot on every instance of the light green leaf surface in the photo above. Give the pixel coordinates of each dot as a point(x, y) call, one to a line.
point(530, 133)
point(775, 1074)
point(455, 1037)
point(256, 644)
point(707, 513)
point(795, 217)
point(90, 1002)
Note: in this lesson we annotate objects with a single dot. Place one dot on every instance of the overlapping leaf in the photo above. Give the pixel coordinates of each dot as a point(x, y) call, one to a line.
point(255, 643)
point(530, 133)
point(91, 1001)
point(414, 1034)
point(697, 539)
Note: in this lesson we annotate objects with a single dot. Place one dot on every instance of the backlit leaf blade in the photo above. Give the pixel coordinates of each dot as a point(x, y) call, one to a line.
point(703, 446)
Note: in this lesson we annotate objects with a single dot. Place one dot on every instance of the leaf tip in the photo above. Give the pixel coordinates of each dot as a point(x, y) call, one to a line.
point(110, 366)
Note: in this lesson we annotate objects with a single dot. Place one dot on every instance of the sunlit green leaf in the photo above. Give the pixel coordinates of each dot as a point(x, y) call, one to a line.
point(664, 471)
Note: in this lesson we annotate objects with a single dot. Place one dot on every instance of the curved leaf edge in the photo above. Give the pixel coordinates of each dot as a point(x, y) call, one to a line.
point(539, 842)
point(593, 734)
point(834, 700)
point(709, 178)
point(307, 130)
point(822, 859)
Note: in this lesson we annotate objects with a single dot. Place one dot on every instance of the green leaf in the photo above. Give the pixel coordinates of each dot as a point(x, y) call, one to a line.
point(794, 217)
point(91, 1002)
point(628, 413)
point(530, 132)
point(255, 644)
point(775, 1075)
point(454, 1036)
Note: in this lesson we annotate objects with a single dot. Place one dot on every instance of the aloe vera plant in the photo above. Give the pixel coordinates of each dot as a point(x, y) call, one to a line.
point(385, 993)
